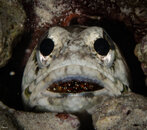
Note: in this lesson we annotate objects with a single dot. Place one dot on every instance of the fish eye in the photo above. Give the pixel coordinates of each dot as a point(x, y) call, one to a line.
point(46, 46)
point(101, 46)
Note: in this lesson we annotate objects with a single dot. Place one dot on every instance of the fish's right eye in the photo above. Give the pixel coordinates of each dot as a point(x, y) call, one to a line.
point(46, 46)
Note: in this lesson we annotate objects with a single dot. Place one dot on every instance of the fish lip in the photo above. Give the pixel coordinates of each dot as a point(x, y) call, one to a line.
point(88, 73)
point(75, 84)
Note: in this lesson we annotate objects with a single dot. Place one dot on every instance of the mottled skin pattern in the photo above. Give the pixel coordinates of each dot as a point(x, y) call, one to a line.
point(73, 57)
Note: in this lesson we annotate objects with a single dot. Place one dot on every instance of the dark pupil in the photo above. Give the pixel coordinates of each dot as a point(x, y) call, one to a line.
point(46, 47)
point(101, 46)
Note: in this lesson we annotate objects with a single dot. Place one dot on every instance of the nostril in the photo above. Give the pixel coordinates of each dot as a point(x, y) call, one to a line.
point(128, 112)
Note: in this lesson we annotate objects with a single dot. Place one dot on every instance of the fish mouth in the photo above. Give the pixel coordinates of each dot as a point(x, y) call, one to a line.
point(74, 86)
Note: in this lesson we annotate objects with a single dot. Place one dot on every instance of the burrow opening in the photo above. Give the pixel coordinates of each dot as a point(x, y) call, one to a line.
point(11, 74)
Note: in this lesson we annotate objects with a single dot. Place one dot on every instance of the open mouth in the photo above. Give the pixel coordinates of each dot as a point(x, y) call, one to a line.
point(74, 86)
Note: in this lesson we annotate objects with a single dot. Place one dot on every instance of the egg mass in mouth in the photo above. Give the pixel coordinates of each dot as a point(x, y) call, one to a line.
point(74, 86)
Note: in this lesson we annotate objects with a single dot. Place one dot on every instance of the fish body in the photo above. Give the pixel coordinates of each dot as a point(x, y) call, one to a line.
point(72, 68)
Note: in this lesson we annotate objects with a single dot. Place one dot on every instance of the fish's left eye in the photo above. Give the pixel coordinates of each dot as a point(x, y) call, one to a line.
point(105, 51)
point(46, 46)
point(101, 46)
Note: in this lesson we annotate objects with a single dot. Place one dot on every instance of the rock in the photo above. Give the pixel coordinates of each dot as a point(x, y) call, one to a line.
point(12, 18)
point(11, 119)
point(141, 53)
point(127, 112)
point(6, 122)
point(46, 121)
